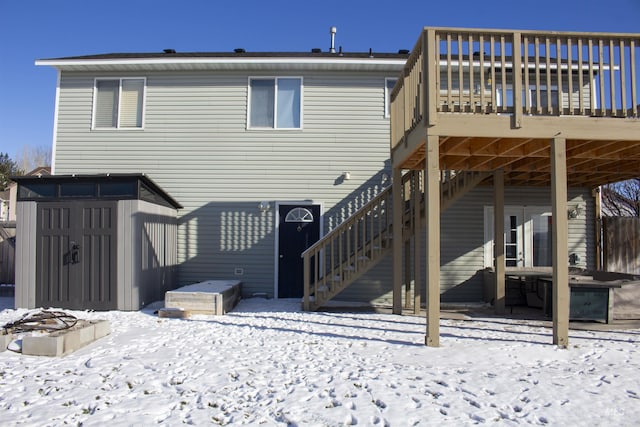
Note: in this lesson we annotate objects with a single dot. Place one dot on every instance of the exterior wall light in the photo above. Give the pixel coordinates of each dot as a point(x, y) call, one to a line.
point(264, 206)
point(574, 213)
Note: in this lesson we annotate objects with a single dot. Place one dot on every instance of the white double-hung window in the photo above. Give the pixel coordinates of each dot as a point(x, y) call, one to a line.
point(389, 83)
point(118, 103)
point(275, 102)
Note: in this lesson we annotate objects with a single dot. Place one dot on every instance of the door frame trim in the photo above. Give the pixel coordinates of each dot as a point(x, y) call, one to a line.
point(277, 234)
point(527, 212)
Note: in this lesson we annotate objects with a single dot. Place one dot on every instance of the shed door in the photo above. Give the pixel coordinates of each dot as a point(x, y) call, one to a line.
point(299, 228)
point(76, 255)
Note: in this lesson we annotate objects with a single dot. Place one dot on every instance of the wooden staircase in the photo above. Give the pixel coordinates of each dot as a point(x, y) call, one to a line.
point(361, 242)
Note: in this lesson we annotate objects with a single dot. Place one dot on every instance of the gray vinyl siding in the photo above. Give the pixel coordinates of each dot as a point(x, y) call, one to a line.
point(26, 243)
point(462, 245)
point(195, 145)
point(462, 236)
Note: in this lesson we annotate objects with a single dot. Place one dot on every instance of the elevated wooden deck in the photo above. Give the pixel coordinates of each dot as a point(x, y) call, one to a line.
point(533, 108)
point(495, 100)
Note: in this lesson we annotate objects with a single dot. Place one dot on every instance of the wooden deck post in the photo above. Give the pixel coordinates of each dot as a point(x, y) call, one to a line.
point(598, 228)
point(396, 191)
point(560, 246)
point(430, 73)
point(306, 262)
point(432, 227)
point(498, 233)
point(417, 244)
point(407, 274)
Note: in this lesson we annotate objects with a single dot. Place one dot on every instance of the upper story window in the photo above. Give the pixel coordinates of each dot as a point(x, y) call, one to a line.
point(389, 83)
point(275, 103)
point(545, 95)
point(118, 103)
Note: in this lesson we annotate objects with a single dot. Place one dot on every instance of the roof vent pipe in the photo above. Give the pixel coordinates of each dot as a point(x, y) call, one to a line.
point(333, 31)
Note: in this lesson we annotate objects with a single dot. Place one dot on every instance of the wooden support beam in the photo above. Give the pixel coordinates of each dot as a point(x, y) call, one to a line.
point(454, 145)
point(560, 245)
point(417, 242)
point(498, 232)
point(598, 227)
point(396, 192)
point(432, 229)
point(407, 274)
point(614, 149)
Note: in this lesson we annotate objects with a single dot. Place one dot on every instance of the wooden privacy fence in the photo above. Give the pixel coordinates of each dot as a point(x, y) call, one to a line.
point(621, 244)
point(7, 252)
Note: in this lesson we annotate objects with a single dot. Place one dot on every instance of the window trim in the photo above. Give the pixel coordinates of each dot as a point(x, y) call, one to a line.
point(275, 117)
point(119, 80)
point(387, 96)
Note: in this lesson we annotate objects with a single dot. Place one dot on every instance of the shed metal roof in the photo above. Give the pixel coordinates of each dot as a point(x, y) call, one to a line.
point(99, 178)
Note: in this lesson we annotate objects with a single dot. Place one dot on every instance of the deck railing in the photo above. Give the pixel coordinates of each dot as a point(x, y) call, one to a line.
point(517, 73)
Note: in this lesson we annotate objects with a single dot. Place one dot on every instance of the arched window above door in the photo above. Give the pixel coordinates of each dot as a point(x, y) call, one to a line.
point(299, 215)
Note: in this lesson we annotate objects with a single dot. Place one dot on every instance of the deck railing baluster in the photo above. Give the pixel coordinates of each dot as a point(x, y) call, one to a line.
point(634, 76)
point(570, 77)
point(601, 79)
point(623, 83)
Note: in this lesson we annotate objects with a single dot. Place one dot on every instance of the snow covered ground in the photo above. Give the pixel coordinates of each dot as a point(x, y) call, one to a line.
point(267, 363)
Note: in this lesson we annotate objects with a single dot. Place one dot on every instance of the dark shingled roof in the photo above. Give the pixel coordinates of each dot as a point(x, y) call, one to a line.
point(186, 55)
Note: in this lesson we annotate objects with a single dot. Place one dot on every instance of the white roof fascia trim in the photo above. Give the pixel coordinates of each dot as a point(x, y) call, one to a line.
point(224, 60)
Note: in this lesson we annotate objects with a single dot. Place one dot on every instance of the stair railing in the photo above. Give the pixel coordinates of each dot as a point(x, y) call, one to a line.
point(358, 243)
point(345, 251)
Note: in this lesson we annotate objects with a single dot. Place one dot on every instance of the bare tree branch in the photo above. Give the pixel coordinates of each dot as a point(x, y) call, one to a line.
point(621, 198)
point(31, 157)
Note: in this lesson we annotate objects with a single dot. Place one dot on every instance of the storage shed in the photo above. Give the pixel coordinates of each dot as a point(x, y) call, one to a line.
point(100, 242)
